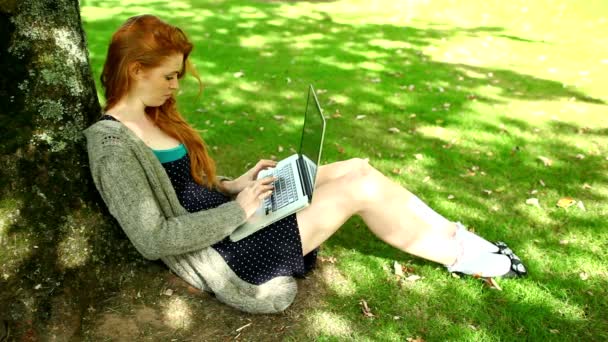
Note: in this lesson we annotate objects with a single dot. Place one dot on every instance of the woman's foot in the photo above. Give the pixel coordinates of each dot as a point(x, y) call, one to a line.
point(479, 257)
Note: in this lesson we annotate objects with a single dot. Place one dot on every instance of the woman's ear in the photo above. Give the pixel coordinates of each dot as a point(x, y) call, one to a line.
point(135, 70)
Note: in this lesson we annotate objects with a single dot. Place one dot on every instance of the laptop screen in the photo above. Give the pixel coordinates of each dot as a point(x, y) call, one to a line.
point(312, 133)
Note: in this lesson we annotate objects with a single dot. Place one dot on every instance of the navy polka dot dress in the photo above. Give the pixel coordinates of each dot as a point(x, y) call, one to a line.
point(270, 252)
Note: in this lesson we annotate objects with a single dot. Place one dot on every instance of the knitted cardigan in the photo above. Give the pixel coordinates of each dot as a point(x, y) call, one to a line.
point(138, 193)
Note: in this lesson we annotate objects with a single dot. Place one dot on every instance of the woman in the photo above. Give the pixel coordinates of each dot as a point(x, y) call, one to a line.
point(157, 179)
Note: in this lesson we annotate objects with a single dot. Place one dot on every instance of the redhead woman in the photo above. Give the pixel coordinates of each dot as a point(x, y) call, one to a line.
point(157, 178)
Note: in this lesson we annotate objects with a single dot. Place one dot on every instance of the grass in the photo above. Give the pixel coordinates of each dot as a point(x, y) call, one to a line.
point(477, 90)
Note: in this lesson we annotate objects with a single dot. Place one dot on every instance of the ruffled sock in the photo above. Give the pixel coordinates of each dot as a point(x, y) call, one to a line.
point(478, 256)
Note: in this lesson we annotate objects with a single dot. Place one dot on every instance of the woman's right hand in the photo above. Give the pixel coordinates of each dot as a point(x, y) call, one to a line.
point(252, 196)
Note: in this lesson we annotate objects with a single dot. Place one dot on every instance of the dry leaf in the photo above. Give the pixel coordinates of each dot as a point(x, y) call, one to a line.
point(580, 156)
point(337, 114)
point(584, 275)
point(581, 206)
point(487, 192)
point(280, 149)
point(279, 117)
point(359, 117)
point(533, 201)
point(533, 192)
point(450, 197)
point(412, 278)
point(554, 331)
point(418, 156)
point(586, 186)
point(455, 275)
point(238, 74)
point(545, 160)
point(398, 269)
point(416, 339)
point(330, 259)
point(492, 283)
point(394, 130)
point(500, 189)
point(397, 171)
point(564, 242)
point(541, 182)
point(566, 202)
point(412, 116)
point(365, 309)
point(426, 179)
point(169, 292)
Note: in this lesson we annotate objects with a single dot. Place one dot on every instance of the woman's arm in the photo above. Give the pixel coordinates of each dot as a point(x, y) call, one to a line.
point(128, 194)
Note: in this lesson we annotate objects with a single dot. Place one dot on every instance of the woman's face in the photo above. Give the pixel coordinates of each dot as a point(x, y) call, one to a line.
point(154, 86)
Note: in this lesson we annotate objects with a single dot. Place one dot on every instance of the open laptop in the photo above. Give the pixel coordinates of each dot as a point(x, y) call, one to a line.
point(293, 190)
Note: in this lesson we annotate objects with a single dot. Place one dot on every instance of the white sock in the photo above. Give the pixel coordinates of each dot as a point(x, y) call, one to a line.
point(472, 241)
point(477, 256)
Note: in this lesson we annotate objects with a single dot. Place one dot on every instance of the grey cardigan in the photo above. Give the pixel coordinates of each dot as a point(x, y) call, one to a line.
point(138, 193)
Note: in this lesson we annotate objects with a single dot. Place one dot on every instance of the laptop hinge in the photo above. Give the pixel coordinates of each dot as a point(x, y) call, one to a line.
point(304, 177)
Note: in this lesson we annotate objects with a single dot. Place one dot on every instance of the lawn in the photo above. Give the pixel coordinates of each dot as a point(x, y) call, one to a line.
point(495, 103)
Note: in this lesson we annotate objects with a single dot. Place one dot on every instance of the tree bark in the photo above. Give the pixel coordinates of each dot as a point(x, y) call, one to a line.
point(56, 237)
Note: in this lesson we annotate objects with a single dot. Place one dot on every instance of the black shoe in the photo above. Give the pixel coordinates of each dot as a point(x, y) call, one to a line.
point(517, 267)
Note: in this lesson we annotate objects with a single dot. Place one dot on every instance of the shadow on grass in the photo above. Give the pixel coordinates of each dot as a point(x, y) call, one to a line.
point(378, 71)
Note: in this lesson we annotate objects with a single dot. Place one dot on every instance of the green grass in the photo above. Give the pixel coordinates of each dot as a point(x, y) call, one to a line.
point(476, 86)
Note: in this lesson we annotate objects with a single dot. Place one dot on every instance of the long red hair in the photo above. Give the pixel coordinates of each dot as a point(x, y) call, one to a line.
point(147, 40)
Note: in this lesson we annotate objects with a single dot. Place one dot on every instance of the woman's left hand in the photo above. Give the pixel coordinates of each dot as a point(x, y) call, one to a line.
point(250, 176)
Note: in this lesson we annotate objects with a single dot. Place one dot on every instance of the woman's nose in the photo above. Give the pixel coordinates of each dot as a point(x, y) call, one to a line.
point(174, 84)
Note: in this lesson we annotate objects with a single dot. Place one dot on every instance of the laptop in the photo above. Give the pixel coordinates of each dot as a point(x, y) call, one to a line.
point(296, 174)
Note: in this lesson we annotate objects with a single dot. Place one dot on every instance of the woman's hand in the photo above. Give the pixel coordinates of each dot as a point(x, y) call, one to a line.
point(251, 198)
point(237, 185)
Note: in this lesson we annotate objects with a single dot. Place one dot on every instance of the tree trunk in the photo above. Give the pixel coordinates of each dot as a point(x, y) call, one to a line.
point(56, 237)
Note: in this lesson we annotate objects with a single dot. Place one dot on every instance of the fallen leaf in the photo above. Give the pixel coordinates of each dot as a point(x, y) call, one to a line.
point(545, 160)
point(580, 156)
point(541, 182)
point(584, 275)
point(487, 192)
point(533, 201)
point(450, 197)
point(375, 80)
point(586, 186)
point(359, 117)
point(394, 130)
point(337, 114)
point(500, 189)
point(279, 117)
point(412, 116)
point(330, 259)
point(554, 331)
point(280, 149)
point(396, 317)
point(396, 171)
point(426, 179)
point(581, 206)
point(492, 283)
point(455, 275)
point(365, 309)
point(566, 202)
point(169, 292)
point(412, 278)
point(418, 156)
point(398, 269)
point(238, 74)
point(416, 339)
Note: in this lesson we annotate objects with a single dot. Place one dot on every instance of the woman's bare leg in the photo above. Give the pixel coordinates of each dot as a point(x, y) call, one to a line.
point(391, 212)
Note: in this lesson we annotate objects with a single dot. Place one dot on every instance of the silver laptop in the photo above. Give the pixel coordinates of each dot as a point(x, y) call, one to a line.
point(296, 174)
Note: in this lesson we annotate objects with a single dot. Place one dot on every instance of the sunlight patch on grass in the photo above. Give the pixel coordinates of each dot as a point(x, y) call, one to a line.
point(390, 44)
point(332, 61)
point(329, 323)
point(92, 13)
point(255, 41)
point(177, 313)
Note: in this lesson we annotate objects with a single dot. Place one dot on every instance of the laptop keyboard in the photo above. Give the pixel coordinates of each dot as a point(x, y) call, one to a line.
point(284, 189)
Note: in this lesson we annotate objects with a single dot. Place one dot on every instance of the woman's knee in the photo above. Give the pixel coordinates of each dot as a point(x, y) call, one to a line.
point(363, 181)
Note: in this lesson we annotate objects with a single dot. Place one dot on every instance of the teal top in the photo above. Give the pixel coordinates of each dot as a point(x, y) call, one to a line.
point(171, 154)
